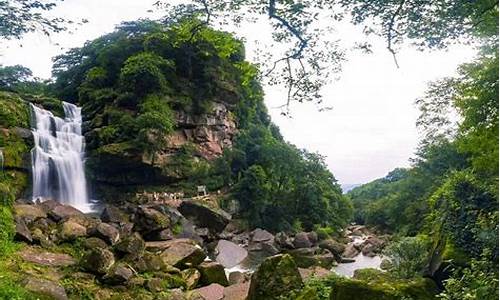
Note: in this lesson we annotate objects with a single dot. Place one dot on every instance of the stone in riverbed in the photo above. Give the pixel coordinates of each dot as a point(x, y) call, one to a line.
point(182, 253)
point(211, 292)
point(47, 288)
point(205, 217)
point(335, 247)
point(261, 235)
point(229, 254)
point(237, 291)
point(301, 240)
point(212, 272)
point(276, 276)
point(350, 251)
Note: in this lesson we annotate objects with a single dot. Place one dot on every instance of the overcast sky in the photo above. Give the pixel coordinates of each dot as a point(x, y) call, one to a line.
point(371, 129)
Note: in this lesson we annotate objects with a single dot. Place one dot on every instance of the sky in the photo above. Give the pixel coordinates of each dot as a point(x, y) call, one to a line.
point(371, 128)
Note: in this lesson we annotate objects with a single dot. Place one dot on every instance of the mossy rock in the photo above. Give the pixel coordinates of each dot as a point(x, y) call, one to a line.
point(276, 276)
point(371, 284)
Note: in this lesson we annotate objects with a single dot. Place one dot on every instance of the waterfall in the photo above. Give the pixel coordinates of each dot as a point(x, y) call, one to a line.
point(57, 157)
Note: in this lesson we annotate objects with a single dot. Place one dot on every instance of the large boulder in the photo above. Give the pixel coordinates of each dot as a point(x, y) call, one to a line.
point(205, 217)
point(229, 254)
point(98, 261)
point(112, 214)
point(308, 257)
point(260, 235)
point(276, 276)
point(212, 272)
point(148, 220)
point(107, 233)
point(237, 291)
point(47, 288)
point(381, 287)
point(22, 232)
point(210, 292)
point(336, 248)
point(71, 230)
point(301, 240)
point(182, 253)
point(61, 212)
point(28, 212)
point(132, 246)
point(350, 251)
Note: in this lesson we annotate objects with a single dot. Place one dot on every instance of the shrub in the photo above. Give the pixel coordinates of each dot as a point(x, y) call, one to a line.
point(408, 257)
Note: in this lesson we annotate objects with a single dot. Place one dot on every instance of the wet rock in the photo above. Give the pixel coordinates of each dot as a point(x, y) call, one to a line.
point(47, 258)
point(98, 261)
point(118, 274)
point(350, 251)
point(308, 257)
point(71, 231)
point(301, 240)
point(183, 253)
point(276, 276)
point(148, 262)
point(333, 246)
point(107, 233)
point(229, 254)
point(203, 216)
point(93, 243)
point(359, 230)
point(386, 264)
point(148, 220)
point(61, 212)
point(112, 214)
point(211, 292)
point(47, 288)
point(236, 292)
point(346, 260)
point(132, 246)
point(40, 238)
point(191, 276)
point(270, 248)
point(22, 232)
point(212, 272)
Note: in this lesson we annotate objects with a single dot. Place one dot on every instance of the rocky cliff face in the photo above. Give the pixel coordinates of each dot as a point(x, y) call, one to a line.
point(210, 132)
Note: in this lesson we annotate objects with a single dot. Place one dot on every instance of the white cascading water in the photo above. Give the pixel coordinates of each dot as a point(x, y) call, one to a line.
point(57, 157)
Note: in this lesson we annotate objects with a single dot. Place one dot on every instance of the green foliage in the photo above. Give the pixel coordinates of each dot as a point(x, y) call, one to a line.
point(279, 186)
point(467, 212)
point(476, 282)
point(408, 257)
point(144, 73)
point(6, 231)
point(13, 112)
